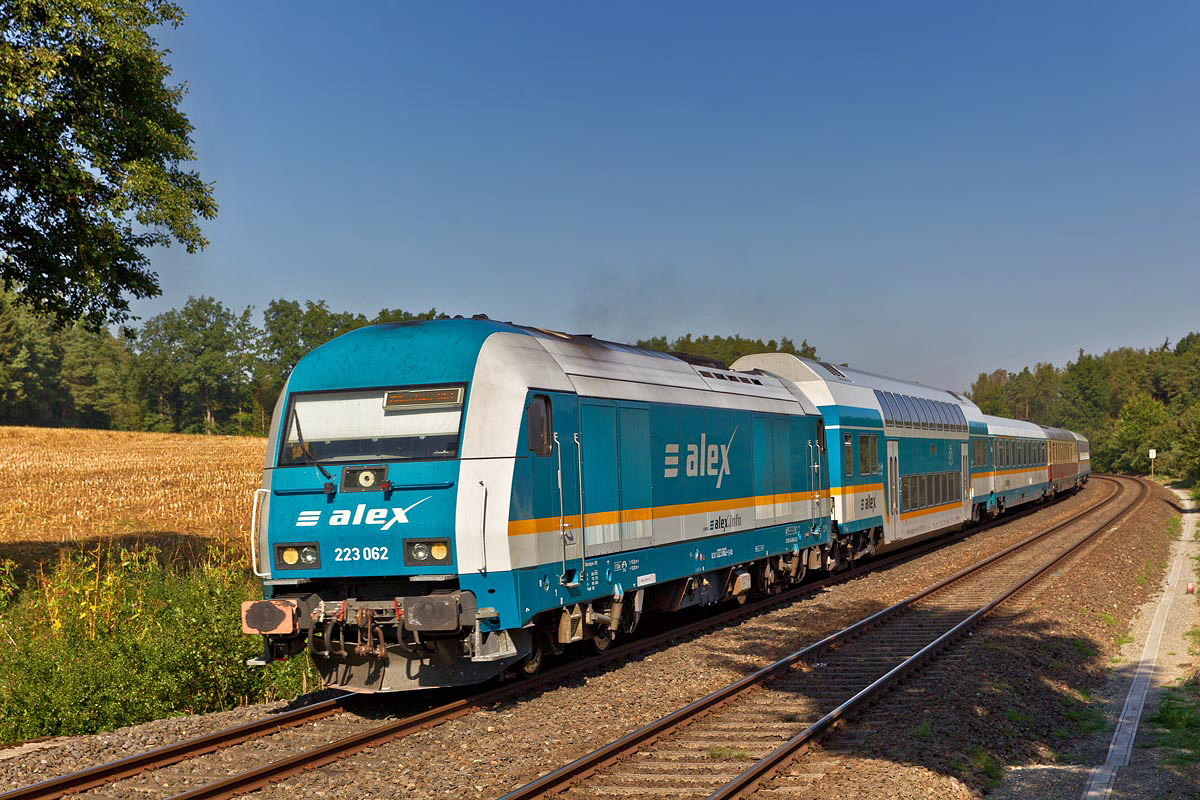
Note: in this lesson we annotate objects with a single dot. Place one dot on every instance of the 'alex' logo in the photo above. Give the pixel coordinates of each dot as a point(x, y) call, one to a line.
point(359, 516)
point(702, 459)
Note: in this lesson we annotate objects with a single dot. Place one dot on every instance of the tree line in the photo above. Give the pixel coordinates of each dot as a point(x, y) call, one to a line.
point(1125, 401)
point(207, 368)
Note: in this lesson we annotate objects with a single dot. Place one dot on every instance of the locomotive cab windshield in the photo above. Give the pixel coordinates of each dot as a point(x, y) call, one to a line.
point(402, 424)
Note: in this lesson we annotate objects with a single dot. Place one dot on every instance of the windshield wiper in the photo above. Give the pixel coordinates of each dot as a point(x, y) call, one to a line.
point(304, 446)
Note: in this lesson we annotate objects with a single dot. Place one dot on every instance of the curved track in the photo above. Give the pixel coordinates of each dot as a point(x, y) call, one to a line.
point(774, 714)
point(373, 734)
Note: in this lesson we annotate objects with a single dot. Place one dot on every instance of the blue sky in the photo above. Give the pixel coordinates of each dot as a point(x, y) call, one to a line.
point(921, 189)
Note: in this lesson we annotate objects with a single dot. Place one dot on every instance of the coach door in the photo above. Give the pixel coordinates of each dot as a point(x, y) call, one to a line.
point(964, 483)
point(893, 487)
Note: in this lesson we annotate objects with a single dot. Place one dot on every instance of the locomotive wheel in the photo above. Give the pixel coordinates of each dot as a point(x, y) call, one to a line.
point(602, 639)
point(532, 664)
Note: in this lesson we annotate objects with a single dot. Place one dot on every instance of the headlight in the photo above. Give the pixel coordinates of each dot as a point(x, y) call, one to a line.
point(427, 552)
point(298, 555)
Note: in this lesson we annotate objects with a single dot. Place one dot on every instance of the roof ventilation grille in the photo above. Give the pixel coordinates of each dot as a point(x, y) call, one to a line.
point(834, 370)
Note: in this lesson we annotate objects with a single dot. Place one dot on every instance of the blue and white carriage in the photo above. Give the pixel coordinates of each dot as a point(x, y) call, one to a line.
point(443, 500)
point(908, 461)
point(446, 500)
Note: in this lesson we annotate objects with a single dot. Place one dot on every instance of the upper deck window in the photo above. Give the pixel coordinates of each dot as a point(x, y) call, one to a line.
point(398, 424)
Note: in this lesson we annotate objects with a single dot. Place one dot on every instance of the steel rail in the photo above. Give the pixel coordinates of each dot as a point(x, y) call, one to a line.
point(584, 766)
point(172, 753)
point(179, 751)
point(749, 780)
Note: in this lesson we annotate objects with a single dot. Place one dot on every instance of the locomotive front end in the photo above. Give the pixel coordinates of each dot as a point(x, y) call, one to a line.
point(355, 527)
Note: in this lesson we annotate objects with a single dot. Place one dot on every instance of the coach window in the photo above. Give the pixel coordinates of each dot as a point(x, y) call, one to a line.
point(848, 455)
point(924, 491)
point(893, 409)
point(541, 438)
point(912, 410)
point(944, 416)
point(927, 412)
point(931, 411)
point(923, 410)
point(883, 407)
point(905, 411)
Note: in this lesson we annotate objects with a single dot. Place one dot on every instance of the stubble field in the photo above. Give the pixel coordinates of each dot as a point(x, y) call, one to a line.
point(69, 485)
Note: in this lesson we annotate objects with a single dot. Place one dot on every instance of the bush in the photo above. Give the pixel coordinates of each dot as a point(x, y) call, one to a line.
point(113, 636)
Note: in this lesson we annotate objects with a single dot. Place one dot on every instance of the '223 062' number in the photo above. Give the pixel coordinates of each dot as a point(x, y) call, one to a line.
point(360, 554)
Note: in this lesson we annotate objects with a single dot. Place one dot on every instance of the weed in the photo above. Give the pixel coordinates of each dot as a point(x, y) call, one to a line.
point(1087, 720)
point(1178, 716)
point(990, 767)
point(1174, 526)
point(1123, 638)
point(1084, 648)
point(112, 636)
point(923, 730)
point(1108, 619)
point(1014, 716)
point(726, 754)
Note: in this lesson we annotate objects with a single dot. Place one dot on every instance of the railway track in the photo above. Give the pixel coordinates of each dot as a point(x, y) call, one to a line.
point(772, 715)
point(361, 734)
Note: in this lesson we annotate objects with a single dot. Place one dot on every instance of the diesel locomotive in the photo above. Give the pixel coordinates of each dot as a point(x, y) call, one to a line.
point(444, 501)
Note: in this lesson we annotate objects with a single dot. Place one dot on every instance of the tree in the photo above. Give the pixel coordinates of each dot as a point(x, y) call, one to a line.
point(1143, 424)
point(91, 146)
point(97, 374)
point(190, 366)
point(987, 392)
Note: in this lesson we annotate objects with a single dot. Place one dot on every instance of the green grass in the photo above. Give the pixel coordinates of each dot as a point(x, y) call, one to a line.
point(923, 730)
point(1145, 573)
point(1174, 526)
point(111, 637)
point(1123, 638)
point(1178, 717)
point(1087, 720)
point(1084, 648)
point(1108, 619)
point(726, 754)
point(989, 766)
point(1014, 716)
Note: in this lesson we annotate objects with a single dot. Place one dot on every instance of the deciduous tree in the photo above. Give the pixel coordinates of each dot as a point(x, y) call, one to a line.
point(92, 153)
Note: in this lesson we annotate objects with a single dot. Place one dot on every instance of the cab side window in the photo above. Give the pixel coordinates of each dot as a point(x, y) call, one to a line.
point(541, 436)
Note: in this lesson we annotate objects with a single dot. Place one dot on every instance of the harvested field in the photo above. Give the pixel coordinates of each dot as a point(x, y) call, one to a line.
point(65, 485)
